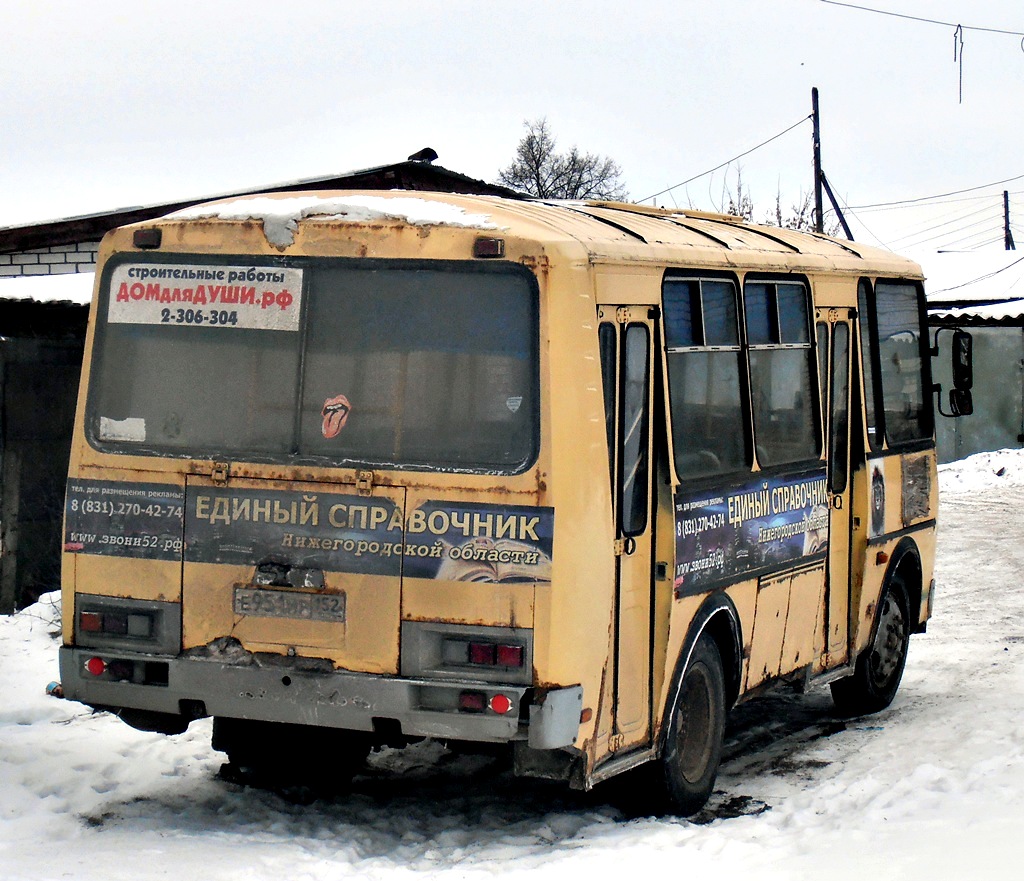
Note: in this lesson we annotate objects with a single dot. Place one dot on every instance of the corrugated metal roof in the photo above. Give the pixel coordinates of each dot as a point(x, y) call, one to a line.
point(1007, 312)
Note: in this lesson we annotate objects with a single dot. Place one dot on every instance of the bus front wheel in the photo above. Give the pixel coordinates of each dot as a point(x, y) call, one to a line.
point(693, 742)
point(879, 668)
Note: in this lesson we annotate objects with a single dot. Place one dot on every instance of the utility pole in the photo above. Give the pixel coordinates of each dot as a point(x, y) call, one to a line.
point(819, 215)
point(820, 180)
point(1007, 235)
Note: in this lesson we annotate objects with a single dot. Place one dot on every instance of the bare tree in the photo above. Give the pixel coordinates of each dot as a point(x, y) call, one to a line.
point(799, 217)
point(740, 204)
point(540, 170)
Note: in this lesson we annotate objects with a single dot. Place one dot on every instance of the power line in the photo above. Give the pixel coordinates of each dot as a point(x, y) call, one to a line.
point(988, 214)
point(899, 206)
point(976, 280)
point(945, 220)
point(848, 210)
point(970, 241)
point(729, 161)
point(948, 24)
point(991, 228)
point(938, 195)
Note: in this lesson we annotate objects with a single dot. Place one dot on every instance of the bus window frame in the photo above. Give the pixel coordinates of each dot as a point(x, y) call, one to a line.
point(306, 263)
point(814, 386)
point(698, 274)
point(867, 331)
point(639, 487)
point(927, 439)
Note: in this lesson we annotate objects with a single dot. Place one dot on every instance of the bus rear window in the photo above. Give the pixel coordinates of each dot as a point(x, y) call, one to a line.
point(359, 362)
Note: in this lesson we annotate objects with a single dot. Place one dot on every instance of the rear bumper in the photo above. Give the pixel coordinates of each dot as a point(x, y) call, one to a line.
point(191, 687)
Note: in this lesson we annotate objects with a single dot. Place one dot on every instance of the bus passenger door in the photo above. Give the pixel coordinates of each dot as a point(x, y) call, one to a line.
point(834, 330)
point(627, 336)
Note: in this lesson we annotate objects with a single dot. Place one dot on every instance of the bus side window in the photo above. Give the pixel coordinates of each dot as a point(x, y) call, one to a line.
point(822, 334)
point(635, 384)
point(869, 353)
point(781, 361)
point(606, 342)
point(902, 362)
point(704, 376)
point(839, 395)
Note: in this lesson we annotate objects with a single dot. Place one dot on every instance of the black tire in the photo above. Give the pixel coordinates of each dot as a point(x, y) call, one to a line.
point(693, 741)
point(879, 668)
point(274, 755)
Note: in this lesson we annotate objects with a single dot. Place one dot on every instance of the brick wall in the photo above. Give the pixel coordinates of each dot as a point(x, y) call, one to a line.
point(55, 260)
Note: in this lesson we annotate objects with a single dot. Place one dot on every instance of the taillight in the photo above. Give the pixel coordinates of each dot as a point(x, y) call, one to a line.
point(483, 654)
point(117, 669)
point(500, 704)
point(477, 702)
point(472, 701)
point(90, 622)
point(133, 624)
point(509, 656)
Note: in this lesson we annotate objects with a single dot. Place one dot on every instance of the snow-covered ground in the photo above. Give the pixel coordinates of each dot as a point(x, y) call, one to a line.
point(932, 788)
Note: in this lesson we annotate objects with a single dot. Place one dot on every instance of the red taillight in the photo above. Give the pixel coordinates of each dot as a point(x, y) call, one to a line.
point(96, 666)
point(500, 704)
point(472, 701)
point(490, 655)
point(510, 656)
point(481, 653)
point(90, 622)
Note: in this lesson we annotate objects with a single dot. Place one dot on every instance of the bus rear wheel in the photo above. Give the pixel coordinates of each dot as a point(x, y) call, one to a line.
point(879, 668)
point(693, 742)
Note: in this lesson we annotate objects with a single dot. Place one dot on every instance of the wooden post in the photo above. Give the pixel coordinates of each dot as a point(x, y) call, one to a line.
point(819, 217)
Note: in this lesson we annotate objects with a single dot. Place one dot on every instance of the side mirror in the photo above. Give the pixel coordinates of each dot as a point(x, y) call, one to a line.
point(963, 361)
point(961, 402)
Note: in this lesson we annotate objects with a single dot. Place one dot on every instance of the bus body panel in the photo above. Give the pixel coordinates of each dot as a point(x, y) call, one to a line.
point(380, 591)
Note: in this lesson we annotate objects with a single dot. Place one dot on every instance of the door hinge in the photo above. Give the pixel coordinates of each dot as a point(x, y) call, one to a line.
point(624, 546)
point(364, 482)
point(220, 472)
point(623, 315)
point(615, 742)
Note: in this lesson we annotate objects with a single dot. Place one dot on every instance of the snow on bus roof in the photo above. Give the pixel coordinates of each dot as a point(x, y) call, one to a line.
point(281, 216)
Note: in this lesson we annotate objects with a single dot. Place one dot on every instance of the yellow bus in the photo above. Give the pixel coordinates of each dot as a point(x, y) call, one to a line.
point(572, 479)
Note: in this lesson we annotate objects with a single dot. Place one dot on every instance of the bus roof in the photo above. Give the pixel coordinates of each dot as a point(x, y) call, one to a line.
point(606, 230)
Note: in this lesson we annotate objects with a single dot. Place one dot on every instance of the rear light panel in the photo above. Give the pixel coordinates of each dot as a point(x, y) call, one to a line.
point(108, 624)
point(126, 670)
point(468, 652)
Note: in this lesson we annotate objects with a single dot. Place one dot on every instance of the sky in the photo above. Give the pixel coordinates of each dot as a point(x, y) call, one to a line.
point(112, 104)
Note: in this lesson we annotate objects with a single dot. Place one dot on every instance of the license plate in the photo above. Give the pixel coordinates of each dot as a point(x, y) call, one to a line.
point(263, 603)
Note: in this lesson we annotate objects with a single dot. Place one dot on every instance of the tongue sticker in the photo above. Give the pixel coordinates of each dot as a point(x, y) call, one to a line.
point(335, 413)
